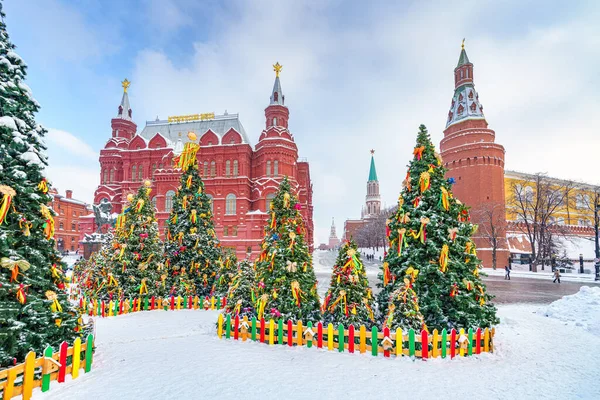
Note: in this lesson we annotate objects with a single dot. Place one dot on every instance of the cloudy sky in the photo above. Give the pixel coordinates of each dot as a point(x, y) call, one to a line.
point(357, 75)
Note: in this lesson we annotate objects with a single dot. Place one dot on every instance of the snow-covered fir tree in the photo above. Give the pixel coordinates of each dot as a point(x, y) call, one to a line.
point(225, 274)
point(286, 281)
point(193, 252)
point(241, 296)
point(430, 236)
point(349, 299)
point(34, 308)
point(135, 264)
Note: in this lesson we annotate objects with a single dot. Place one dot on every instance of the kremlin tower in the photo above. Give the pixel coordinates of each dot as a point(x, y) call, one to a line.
point(476, 163)
point(334, 242)
point(373, 200)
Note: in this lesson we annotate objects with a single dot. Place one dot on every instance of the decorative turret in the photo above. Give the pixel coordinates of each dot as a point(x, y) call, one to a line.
point(373, 200)
point(277, 114)
point(122, 125)
point(475, 161)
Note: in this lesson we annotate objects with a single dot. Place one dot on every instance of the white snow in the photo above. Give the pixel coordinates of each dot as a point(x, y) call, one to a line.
point(581, 309)
point(8, 122)
point(176, 355)
point(31, 158)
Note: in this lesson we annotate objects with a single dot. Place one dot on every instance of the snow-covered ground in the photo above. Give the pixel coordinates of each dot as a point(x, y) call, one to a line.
point(177, 355)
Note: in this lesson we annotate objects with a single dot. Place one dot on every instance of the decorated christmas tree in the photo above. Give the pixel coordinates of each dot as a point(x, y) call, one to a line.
point(34, 308)
point(241, 296)
point(225, 274)
point(403, 310)
point(286, 282)
point(135, 268)
point(431, 246)
point(193, 252)
point(349, 299)
point(94, 276)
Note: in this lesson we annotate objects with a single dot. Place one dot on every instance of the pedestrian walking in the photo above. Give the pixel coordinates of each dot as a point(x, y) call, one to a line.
point(506, 273)
point(556, 276)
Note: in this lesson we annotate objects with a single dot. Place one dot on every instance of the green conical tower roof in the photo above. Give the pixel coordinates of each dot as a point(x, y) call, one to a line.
point(372, 171)
point(463, 59)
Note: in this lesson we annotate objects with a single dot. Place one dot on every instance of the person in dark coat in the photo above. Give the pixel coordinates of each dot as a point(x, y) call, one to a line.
point(506, 272)
point(556, 276)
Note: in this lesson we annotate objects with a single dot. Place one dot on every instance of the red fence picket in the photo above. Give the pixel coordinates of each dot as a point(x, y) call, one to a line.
point(236, 327)
point(452, 343)
point(290, 338)
point(262, 330)
point(424, 345)
point(320, 335)
point(62, 359)
point(351, 338)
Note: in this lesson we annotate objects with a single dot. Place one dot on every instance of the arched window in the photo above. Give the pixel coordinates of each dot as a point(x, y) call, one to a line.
point(105, 176)
point(140, 172)
point(275, 168)
point(230, 201)
point(153, 169)
point(268, 168)
point(169, 201)
point(160, 166)
point(235, 167)
point(225, 230)
point(529, 193)
point(275, 96)
point(274, 121)
point(112, 175)
point(211, 202)
point(133, 173)
point(154, 203)
point(227, 168)
point(234, 230)
point(205, 169)
point(213, 169)
point(270, 198)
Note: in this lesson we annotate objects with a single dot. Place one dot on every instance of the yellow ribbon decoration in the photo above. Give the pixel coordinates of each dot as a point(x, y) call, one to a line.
point(188, 181)
point(424, 181)
point(262, 303)
point(143, 287)
point(286, 200)
point(444, 199)
point(43, 186)
point(8, 194)
point(49, 225)
point(401, 240)
point(14, 267)
point(193, 217)
point(184, 202)
point(139, 205)
point(444, 258)
point(297, 292)
point(386, 274)
point(188, 157)
point(55, 306)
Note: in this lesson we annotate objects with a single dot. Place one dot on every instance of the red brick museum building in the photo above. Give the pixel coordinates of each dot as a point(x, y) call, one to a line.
point(240, 179)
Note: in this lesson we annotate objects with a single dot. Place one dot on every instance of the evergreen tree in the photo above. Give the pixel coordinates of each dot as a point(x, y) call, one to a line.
point(403, 310)
point(192, 249)
point(349, 299)
point(241, 296)
point(34, 308)
point(430, 235)
point(226, 272)
point(135, 264)
point(94, 276)
point(287, 285)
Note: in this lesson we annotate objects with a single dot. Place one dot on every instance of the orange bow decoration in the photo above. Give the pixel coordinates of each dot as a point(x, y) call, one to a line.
point(7, 195)
point(418, 152)
point(424, 181)
point(444, 258)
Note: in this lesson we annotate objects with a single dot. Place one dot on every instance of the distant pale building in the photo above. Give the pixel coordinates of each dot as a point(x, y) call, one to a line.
point(334, 242)
point(372, 206)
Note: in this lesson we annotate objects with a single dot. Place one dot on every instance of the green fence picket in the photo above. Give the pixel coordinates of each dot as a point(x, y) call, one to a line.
point(280, 332)
point(309, 341)
point(146, 303)
point(254, 329)
point(89, 352)
point(411, 342)
point(444, 342)
point(374, 341)
point(228, 327)
point(46, 377)
point(470, 341)
point(116, 312)
point(341, 340)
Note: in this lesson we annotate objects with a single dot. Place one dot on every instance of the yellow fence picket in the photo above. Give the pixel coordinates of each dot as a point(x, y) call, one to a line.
point(461, 342)
point(271, 332)
point(28, 375)
point(330, 336)
point(219, 322)
point(363, 339)
point(399, 342)
point(486, 340)
point(299, 333)
point(9, 385)
point(434, 350)
point(76, 358)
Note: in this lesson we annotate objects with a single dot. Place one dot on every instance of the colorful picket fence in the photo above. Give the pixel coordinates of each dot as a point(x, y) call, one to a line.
point(21, 379)
point(388, 343)
point(101, 308)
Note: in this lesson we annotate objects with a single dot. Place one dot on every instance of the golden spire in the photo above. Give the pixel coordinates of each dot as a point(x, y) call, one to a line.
point(125, 85)
point(277, 68)
point(462, 46)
